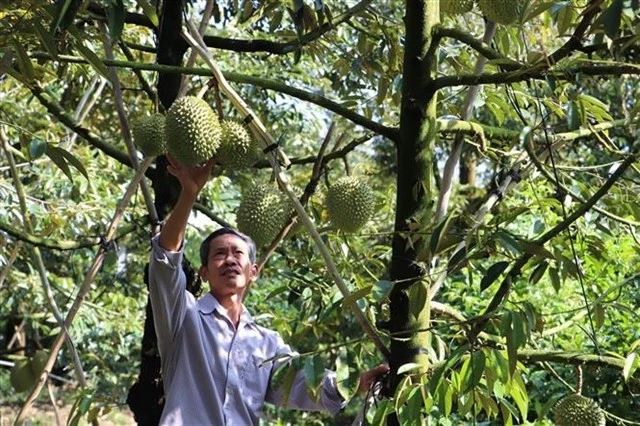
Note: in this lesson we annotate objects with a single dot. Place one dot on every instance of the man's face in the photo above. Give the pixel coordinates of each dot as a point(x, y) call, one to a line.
point(228, 269)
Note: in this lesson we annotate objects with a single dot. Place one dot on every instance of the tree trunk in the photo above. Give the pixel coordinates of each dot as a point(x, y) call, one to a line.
point(146, 396)
point(409, 307)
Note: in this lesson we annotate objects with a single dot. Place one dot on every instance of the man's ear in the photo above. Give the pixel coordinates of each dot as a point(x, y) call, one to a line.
point(203, 272)
point(254, 272)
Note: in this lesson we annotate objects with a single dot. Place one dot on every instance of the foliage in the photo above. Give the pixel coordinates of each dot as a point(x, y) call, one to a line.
point(521, 295)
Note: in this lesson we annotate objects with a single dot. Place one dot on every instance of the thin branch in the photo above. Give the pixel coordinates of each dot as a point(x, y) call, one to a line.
point(573, 358)
point(575, 41)
point(124, 128)
point(62, 245)
point(545, 173)
point(12, 258)
point(480, 46)
point(389, 132)
point(446, 185)
point(57, 111)
point(536, 72)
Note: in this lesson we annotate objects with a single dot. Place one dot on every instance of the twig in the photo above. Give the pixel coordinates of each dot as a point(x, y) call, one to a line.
point(458, 142)
point(124, 126)
point(12, 258)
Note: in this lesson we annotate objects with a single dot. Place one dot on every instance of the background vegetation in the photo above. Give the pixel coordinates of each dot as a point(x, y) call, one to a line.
point(500, 269)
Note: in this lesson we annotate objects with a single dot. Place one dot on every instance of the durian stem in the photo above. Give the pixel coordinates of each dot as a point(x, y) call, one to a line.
point(276, 158)
point(579, 379)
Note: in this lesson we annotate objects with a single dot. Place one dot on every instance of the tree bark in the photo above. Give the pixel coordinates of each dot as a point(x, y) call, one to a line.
point(409, 306)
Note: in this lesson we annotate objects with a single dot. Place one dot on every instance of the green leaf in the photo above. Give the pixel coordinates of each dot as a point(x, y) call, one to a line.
point(492, 274)
point(598, 315)
point(115, 19)
point(555, 279)
point(64, 14)
point(630, 366)
point(24, 62)
point(538, 272)
point(93, 60)
point(149, 11)
point(381, 290)
point(37, 148)
point(418, 293)
point(73, 160)
point(59, 160)
point(313, 371)
point(475, 371)
point(611, 19)
point(47, 40)
point(509, 242)
point(565, 18)
point(439, 233)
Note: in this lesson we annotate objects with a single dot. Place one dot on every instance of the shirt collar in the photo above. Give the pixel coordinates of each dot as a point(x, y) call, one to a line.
point(207, 304)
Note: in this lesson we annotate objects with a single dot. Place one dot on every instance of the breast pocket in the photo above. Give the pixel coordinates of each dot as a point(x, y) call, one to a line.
point(256, 375)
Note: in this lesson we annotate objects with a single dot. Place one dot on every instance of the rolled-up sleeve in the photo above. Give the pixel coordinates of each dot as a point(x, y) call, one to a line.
point(167, 283)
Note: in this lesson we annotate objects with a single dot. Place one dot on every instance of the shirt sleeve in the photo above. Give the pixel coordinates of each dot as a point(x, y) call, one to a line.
point(299, 398)
point(167, 284)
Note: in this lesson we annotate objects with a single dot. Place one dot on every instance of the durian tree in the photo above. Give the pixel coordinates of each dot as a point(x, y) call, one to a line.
point(470, 168)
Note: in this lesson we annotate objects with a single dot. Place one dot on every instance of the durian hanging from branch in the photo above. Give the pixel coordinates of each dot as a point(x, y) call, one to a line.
point(193, 131)
point(149, 134)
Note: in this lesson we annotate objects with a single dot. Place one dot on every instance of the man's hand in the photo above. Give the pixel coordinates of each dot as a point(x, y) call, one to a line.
point(368, 378)
point(192, 179)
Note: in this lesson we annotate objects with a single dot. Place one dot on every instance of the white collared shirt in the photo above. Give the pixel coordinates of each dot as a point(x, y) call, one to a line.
point(214, 374)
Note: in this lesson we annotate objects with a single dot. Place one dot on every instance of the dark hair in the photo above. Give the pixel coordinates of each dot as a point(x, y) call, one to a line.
point(204, 247)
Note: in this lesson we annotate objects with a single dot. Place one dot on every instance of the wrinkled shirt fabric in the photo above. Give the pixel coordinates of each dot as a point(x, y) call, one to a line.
point(214, 374)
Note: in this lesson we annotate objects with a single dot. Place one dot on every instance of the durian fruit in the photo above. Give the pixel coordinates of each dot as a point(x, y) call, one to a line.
point(350, 203)
point(192, 130)
point(578, 410)
point(262, 213)
point(22, 377)
point(501, 11)
point(455, 7)
point(39, 361)
point(237, 149)
point(149, 134)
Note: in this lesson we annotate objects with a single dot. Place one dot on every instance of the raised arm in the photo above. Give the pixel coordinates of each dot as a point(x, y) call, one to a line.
point(192, 180)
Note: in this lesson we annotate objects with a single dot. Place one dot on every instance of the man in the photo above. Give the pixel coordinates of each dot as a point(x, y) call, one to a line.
point(216, 361)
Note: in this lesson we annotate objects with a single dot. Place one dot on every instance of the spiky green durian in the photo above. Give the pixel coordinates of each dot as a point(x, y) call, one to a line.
point(455, 7)
point(350, 203)
point(501, 11)
point(262, 213)
point(192, 130)
point(578, 410)
point(22, 377)
point(149, 134)
point(237, 149)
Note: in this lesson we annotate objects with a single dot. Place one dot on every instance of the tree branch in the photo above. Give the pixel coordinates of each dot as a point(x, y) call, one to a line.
point(389, 132)
point(58, 244)
point(256, 45)
point(57, 111)
point(536, 72)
